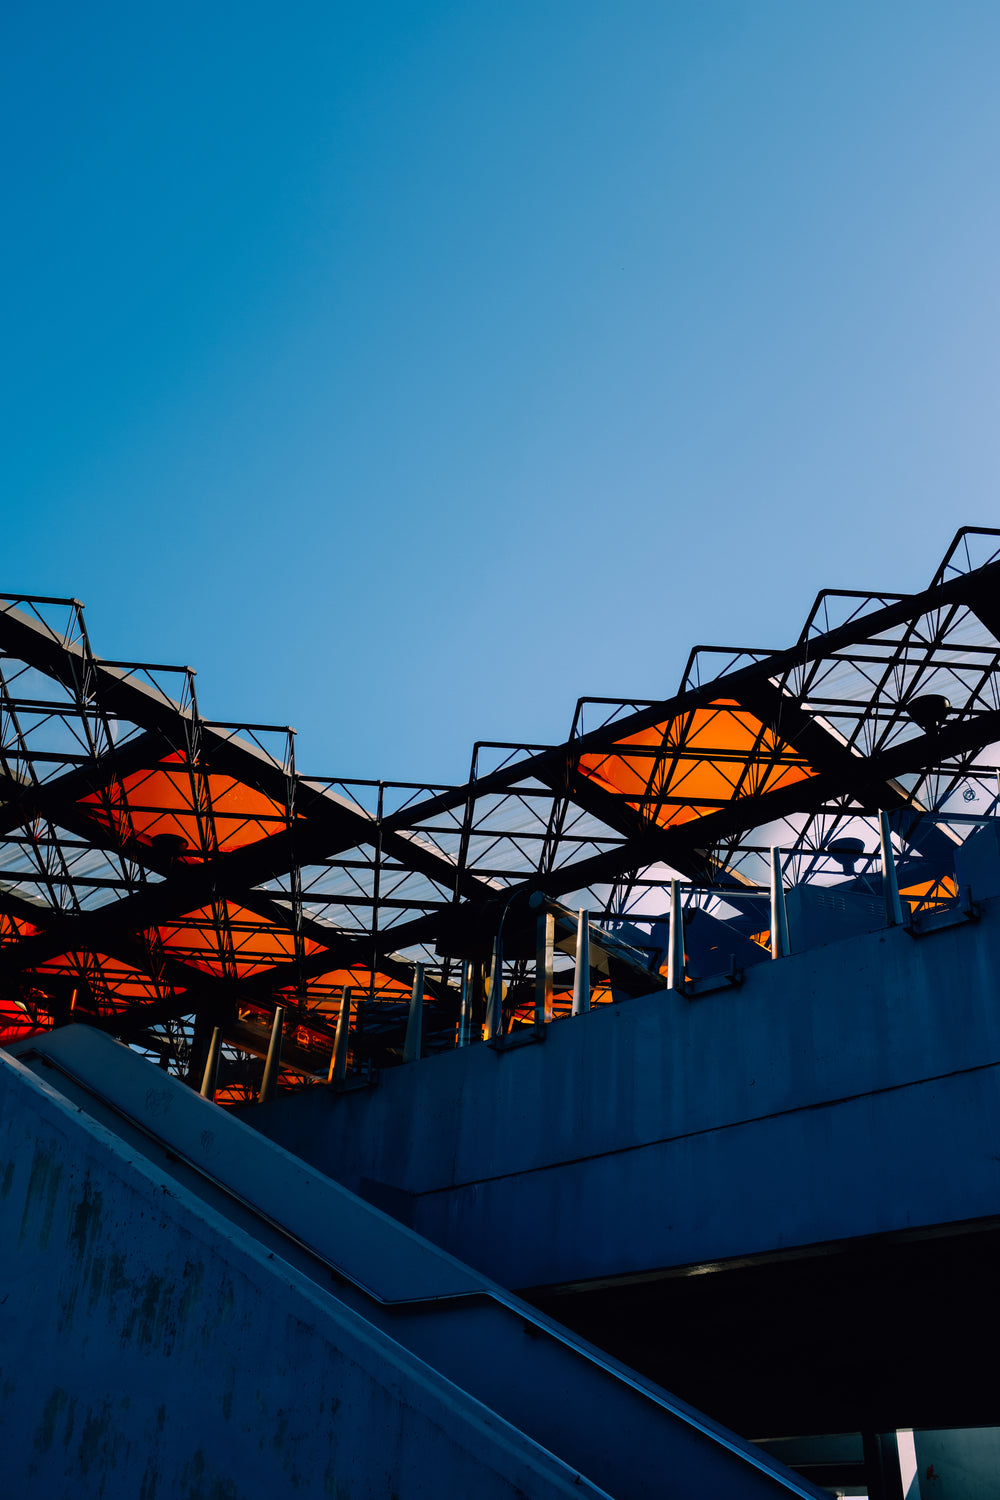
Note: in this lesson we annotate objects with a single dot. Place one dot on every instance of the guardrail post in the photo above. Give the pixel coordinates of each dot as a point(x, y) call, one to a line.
point(581, 979)
point(675, 956)
point(465, 1014)
point(890, 882)
point(269, 1082)
point(209, 1082)
point(494, 1000)
point(338, 1061)
point(545, 936)
point(780, 945)
point(415, 1019)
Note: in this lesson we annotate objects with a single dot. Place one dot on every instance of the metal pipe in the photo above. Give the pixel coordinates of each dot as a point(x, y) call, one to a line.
point(545, 938)
point(675, 955)
point(465, 1014)
point(882, 1472)
point(477, 1006)
point(269, 1082)
point(890, 881)
point(209, 1082)
point(780, 944)
point(494, 1000)
point(415, 1019)
point(338, 1059)
point(201, 1036)
point(581, 979)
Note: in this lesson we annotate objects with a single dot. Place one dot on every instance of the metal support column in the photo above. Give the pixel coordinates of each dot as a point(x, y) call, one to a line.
point(201, 1036)
point(545, 937)
point(477, 1007)
point(890, 882)
point(780, 945)
point(338, 1060)
point(209, 1082)
point(675, 957)
point(269, 1082)
point(494, 1000)
point(882, 1472)
point(465, 1014)
point(415, 1019)
point(581, 979)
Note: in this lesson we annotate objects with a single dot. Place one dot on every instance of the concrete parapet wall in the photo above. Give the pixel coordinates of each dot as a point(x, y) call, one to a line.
point(851, 1090)
point(150, 1349)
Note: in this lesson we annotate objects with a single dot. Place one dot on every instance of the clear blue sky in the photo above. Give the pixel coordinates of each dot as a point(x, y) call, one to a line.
point(411, 369)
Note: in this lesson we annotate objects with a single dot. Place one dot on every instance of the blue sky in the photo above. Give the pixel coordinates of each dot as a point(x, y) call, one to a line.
point(411, 369)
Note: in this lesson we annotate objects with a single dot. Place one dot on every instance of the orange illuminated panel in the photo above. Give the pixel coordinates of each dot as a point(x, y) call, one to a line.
point(358, 978)
point(562, 1004)
point(927, 895)
point(323, 991)
point(164, 800)
point(203, 938)
point(15, 1021)
point(301, 1033)
point(233, 1094)
point(13, 928)
point(704, 757)
point(108, 978)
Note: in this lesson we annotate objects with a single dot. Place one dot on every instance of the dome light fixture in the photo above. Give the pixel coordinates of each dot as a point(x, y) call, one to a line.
point(929, 711)
point(848, 851)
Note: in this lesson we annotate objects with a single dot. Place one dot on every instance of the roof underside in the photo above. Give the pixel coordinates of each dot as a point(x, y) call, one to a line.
point(161, 874)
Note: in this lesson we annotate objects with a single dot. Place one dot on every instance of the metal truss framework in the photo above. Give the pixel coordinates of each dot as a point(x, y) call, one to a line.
point(161, 874)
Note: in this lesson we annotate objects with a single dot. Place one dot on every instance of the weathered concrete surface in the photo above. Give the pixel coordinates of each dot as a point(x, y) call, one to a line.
point(138, 1176)
point(849, 1091)
point(960, 1463)
point(149, 1349)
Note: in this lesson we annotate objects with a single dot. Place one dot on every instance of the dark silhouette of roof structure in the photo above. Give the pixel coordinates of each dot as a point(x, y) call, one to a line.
point(162, 874)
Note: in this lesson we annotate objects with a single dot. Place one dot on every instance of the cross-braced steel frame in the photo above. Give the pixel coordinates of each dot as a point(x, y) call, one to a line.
point(162, 874)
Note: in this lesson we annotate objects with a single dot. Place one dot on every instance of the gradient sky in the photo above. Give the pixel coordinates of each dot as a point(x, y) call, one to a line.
point(411, 369)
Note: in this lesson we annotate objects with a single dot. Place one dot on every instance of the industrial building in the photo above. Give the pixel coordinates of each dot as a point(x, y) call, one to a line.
point(623, 1121)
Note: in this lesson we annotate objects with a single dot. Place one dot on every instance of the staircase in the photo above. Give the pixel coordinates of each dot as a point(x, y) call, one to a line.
point(188, 1310)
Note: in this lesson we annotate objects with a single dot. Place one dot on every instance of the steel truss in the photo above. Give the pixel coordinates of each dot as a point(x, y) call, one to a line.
point(162, 874)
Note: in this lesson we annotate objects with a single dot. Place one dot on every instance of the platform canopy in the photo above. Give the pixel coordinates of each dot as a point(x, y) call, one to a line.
point(162, 873)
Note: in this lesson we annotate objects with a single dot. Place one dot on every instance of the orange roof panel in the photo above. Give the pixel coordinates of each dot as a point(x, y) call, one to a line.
point(14, 928)
point(702, 760)
point(230, 940)
point(207, 810)
point(119, 980)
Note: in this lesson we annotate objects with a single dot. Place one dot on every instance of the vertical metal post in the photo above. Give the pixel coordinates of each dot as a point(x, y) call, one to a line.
point(211, 1076)
point(581, 979)
point(465, 1014)
point(780, 945)
point(269, 1082)
point(477, 1007)
point(338, 1062)
point(882, 1473)
point(545, 936)
point(890, 883)
point(201, 1036)
point(415, 1019)
point(494, 1000)
point(675, 957)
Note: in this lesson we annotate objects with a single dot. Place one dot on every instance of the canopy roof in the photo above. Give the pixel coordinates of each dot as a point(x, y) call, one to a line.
point(161, 873)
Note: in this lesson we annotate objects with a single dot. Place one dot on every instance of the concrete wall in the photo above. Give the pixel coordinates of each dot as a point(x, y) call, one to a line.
point(150, 1349)
point(850, 1090)
point(958, 1463)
